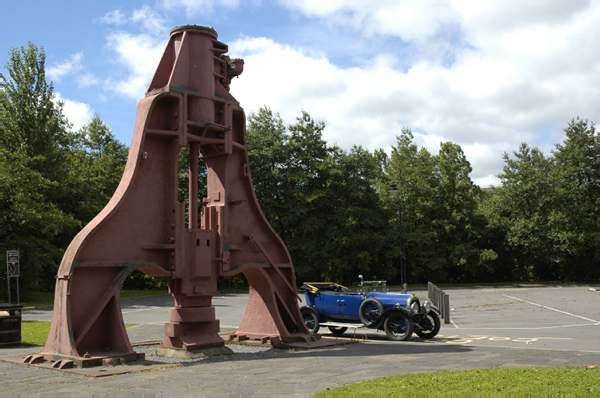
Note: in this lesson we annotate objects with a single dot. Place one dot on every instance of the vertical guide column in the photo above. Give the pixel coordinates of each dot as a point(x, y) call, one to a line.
point(193, 187)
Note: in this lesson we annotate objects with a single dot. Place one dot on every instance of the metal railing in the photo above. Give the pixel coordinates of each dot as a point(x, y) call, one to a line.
point(440, 299)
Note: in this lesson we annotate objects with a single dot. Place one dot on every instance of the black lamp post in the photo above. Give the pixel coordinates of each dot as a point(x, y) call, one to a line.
point(394, 192)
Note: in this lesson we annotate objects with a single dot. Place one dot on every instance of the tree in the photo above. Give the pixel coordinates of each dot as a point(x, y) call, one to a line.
point(55, 181)
point(439, 212)
point(523, 206)
point(357, 235)
point(288, 165)
point(546, 212)
point(574, 222)
point(34, 123)
point(461, 226)
point(96, 163)
point(35, 143)
point(321, 200)
point(267, 141)
point(413, 171)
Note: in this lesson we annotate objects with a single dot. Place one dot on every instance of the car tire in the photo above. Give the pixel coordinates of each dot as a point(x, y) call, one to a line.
point(370, 311)
point(337, 330)
point(310, 319)
point(429, 321)
point(398, 326)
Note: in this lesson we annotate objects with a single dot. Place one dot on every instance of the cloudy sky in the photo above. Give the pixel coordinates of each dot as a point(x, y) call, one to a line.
point(486, 75)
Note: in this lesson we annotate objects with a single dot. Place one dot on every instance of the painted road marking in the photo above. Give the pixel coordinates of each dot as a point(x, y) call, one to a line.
point(142, 309)
point(456, 339)
point(550, 308)
point(537, 328)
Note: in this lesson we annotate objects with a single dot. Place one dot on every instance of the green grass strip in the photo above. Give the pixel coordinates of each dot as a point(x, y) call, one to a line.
point(496, 381)
point(36, 332)
point(40, 299)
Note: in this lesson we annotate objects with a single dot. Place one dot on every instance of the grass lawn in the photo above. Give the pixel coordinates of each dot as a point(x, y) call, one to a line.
point(536, 381)
point(36, 332)
point(39, 299)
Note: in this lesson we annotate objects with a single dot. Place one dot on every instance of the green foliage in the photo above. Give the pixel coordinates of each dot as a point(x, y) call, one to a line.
point(35, 145)
point(331, 207)
point(321, 200)
point(574, 222)
point(97, 160)
point(536, 381)
point(439, 213)
point(38, 299)
point(54, 180)
point(547, 210)
point(362, 241)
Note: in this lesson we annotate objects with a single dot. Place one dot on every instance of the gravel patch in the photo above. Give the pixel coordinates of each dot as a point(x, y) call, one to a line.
point(240, 352)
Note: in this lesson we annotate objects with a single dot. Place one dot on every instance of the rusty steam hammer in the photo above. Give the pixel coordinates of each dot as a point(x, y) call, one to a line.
point(144, 226)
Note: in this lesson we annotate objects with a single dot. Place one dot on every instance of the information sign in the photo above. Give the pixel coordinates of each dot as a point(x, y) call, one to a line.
point(12, 263)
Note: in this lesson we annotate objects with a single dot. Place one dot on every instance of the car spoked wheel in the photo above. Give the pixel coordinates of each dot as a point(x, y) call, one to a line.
point(310, 319)
point(398, 326)
point(337, 329)
point(370, 311)
point(430, 326)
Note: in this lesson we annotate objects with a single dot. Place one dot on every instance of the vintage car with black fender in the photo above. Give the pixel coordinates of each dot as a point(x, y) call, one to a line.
point(369, 305)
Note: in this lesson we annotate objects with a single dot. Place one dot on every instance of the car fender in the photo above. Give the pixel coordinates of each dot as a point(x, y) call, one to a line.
point(383, 317)
point(390, 310)
point(394, 310)
point(319, 315)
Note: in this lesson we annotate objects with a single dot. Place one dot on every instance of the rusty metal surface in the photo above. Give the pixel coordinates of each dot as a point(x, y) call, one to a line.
point(145, 227)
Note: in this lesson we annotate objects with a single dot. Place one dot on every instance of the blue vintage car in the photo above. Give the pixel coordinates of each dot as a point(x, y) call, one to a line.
point(370, 305)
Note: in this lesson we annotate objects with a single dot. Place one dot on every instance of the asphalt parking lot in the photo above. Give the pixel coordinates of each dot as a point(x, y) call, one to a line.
point(491, 327)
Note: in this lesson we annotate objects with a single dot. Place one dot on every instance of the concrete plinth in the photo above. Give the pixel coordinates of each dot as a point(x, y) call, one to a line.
point(191, 354)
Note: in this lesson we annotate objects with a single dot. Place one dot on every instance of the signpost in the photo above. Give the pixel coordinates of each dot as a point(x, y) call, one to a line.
point(12, 270)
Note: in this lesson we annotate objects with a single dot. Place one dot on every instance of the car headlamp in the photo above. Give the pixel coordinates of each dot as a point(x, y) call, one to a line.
point(427, 306)
point(414, 307)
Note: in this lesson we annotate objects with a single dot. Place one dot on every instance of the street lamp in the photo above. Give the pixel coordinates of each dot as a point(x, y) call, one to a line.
point(394, 192)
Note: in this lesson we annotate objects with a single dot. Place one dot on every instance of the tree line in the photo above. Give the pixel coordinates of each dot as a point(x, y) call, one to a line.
point(54, 179)
point(335, 211)
point(332, 207)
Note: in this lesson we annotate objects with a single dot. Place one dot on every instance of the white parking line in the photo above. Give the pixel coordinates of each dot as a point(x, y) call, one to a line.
point(141, 309)
point(550, 308)
point(536, 328)
point(454, 324)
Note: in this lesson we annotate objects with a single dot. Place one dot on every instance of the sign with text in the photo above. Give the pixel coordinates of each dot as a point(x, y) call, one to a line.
point(12, 263)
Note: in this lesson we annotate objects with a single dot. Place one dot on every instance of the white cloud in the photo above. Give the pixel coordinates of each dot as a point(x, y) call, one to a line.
point(85, 80)
point(500, 16)
point(202, 7)
point(139, 54)
point(115, 17)
point(145, 17)
point(409, 20)
point(150, 20)
point(69, 67)
point(518, 71)
point(78, 113)
point(505, 87)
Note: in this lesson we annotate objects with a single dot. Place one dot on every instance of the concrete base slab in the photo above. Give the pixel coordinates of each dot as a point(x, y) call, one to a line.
point(191, 354)
point(310, 345)
point(298, 346)
point(101, 371)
